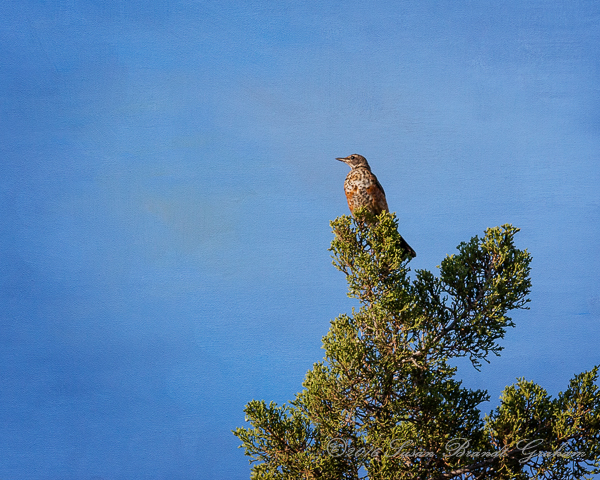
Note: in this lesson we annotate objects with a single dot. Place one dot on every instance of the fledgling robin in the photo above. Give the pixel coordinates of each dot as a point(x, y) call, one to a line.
point(364, 190)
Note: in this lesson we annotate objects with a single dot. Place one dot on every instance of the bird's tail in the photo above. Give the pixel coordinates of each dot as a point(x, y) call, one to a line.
point(408, 248)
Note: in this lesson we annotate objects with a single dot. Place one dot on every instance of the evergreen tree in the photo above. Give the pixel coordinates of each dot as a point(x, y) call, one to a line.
point(385, 402)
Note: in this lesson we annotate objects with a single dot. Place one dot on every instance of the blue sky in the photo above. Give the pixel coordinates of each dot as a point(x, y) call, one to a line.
point(168, 176)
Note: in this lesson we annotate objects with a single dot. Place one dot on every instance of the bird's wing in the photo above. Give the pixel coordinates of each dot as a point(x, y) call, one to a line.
point(378, 184)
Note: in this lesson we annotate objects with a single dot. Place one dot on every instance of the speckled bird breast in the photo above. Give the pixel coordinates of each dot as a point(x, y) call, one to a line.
point(363, 190)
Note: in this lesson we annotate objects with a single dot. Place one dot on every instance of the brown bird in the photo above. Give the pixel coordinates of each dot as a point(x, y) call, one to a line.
point(364, 190)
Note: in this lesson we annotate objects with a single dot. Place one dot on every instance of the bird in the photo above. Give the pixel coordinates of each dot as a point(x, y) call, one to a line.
point(364, 190)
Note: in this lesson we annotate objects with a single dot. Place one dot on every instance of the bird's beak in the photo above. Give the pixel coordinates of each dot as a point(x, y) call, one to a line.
point(341, 159)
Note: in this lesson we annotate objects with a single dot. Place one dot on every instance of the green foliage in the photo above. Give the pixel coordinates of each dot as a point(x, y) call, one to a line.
point(385, 404)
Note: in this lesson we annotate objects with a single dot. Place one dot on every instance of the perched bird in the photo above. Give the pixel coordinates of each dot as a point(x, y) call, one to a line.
point(362, 187)
point(364, 190)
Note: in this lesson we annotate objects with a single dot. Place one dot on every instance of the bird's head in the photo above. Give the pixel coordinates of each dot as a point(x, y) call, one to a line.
point(355, 161)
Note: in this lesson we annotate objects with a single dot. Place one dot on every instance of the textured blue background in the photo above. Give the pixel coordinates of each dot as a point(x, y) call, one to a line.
point(167, 176)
